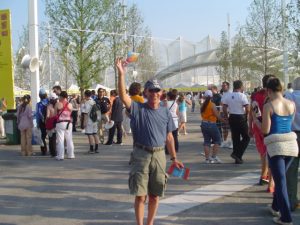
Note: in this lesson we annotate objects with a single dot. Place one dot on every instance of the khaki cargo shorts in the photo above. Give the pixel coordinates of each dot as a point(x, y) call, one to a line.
point(148, 173)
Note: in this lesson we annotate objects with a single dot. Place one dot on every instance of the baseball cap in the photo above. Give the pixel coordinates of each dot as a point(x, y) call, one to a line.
point(208, 93)
point(42, 91)
point(152, 84)
point(53, 95)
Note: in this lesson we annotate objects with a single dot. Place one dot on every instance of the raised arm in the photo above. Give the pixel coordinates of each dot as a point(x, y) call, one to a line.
point(121, 84)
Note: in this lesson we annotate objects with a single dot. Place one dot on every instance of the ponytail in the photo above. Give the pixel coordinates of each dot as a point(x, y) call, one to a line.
point(205, 104)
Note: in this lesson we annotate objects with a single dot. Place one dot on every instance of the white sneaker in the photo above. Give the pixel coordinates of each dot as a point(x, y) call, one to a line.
point(216, 159)
point(272, 211)
point(208, 161)
point(229, 145)
point(223, 144)
point(278, 221)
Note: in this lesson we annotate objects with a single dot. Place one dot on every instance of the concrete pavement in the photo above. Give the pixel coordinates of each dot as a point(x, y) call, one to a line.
point(92, 189)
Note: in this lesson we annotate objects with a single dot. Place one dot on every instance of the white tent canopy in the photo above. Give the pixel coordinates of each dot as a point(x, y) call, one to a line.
point(101, 86)
point(19, 92)
point(73, 89)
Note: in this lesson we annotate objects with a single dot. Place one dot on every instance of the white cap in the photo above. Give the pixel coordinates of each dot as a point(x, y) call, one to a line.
point(208, 93)
point(53, 95)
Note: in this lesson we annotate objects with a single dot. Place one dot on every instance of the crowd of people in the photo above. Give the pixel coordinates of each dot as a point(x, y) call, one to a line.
point(156, 118)
point(271, 117)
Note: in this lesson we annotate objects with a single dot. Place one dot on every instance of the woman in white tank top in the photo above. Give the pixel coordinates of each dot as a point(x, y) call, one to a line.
point(173, 108)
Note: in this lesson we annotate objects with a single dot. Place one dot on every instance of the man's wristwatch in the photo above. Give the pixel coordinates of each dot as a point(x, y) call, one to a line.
point(173, 158)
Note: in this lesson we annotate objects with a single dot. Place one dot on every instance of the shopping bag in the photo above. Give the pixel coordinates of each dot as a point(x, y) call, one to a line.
point(36, 137)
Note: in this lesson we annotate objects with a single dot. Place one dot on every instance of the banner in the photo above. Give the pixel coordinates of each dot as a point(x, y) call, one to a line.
point(6, 62)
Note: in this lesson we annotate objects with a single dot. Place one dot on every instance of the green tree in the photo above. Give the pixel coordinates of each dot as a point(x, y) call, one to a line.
point(244, 67)
point(239, 57)
point(223, 68)
point(77, 22)
point(294, 28)
point(263, 32)
point(116, 42)
point(139, 41)
point(21, 75)
point(129, 34)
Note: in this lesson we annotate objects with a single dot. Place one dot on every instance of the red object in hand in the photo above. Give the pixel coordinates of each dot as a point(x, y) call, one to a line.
point(183, 173)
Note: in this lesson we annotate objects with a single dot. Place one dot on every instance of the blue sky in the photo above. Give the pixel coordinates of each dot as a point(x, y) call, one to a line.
point(191, 19)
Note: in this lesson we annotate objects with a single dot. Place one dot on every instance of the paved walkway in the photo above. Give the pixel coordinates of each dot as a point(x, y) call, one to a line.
point(92, 189)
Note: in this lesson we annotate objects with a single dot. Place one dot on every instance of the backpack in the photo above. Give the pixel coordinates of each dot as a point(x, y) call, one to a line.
point(93, 113)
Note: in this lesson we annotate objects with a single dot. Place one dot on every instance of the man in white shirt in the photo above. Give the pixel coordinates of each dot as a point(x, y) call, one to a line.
point(238, 106)
point(90, 126)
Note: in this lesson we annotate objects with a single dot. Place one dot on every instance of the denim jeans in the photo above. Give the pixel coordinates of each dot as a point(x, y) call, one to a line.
point(279, 165)
point(211, 133)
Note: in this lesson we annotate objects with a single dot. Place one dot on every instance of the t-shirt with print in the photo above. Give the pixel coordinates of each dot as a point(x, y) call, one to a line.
point(257, 102)
point(235, 102)
point(150, 126)
point(103, 104)
point(87, 108)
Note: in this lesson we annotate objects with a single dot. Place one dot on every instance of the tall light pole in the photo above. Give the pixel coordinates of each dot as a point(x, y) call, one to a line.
point(34, 48)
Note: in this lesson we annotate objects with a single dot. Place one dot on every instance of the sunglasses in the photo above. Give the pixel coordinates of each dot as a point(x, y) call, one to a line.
point(154, 90)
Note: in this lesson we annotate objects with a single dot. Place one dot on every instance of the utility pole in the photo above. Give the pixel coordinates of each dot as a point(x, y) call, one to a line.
point(34, 49)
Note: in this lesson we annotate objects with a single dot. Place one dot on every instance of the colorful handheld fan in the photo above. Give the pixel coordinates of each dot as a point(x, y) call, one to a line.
point(132, 57)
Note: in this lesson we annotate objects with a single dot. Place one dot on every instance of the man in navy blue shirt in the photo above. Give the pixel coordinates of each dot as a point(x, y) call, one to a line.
point(152, 128)
point(117, 117)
